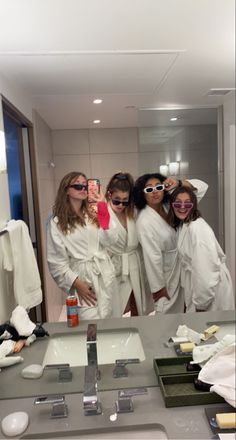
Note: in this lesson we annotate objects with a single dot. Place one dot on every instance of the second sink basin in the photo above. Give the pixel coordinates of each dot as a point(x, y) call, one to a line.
point(111, 345)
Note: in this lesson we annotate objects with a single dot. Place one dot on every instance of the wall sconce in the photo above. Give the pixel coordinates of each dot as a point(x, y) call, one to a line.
point(3, 160)
point(174, 168)
point(164, 170)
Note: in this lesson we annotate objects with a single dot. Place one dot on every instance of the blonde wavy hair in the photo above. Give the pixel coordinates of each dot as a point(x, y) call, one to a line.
point(68, 219)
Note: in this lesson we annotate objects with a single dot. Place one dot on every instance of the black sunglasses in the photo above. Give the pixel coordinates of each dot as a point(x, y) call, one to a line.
point(120, 202)
point(79, 187)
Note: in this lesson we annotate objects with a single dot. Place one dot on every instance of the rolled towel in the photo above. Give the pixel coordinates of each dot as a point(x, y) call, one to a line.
point(20, 320)
point(6, 347)
point(10, 360)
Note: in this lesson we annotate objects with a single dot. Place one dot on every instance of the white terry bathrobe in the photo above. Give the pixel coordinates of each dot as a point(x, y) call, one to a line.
point(159, 244)
point(205, 278)
point(79, 254)
point(126, 255)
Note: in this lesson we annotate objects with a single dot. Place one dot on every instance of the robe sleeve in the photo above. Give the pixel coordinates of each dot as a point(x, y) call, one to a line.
point(200, 188)
point(205, 273)
point(58, 258)
point(108, 237)
point(153, 259)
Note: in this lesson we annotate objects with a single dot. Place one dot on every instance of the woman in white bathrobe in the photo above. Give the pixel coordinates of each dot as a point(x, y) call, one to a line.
point(205, 279)
point(119, 236)
point(76, 260)
point(159, 239)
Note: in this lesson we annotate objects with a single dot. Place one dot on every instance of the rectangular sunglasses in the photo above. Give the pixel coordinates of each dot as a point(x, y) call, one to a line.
point(79, 187)
point(179, 205)
point(150, 189)
point(120, 202)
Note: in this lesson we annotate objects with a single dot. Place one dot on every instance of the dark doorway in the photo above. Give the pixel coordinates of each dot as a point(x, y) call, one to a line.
point(22, 183)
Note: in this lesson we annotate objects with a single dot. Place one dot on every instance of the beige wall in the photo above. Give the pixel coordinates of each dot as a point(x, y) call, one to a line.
point(46, 185)
point(96, 152)
point(195, 147)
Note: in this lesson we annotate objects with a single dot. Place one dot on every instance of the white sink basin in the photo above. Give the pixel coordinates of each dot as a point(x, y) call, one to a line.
point(111, 345)
point(152, 431)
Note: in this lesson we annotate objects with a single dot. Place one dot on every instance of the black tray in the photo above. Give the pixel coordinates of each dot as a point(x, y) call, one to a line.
point(179, 390)
point(173, 365)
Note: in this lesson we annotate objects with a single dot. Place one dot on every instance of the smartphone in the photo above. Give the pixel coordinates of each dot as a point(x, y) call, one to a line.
point(93, 186)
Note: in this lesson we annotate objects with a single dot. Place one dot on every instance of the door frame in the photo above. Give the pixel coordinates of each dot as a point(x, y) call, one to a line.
point(24, 122)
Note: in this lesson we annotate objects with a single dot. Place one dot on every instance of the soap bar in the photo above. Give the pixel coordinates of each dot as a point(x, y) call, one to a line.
point(187, 347)
point(210, 331)
point(226, 420)
point(33, 371)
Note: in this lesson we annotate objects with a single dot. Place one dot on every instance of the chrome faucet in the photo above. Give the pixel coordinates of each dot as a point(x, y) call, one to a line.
point(91, 403)
point(92, 344)
point(59, 406)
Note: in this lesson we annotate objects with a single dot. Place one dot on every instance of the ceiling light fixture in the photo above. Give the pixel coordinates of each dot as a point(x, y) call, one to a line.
point(96, 121)
point(97, 101)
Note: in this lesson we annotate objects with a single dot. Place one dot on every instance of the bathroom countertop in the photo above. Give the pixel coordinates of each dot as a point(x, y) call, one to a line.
point(150, 419)
point(17, 394)
point(154, 331)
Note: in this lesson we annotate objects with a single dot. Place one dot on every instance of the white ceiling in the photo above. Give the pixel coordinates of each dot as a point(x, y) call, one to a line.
point(131, 53)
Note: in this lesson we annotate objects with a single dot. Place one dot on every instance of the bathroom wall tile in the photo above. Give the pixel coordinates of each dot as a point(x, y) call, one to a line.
point(114, 140)
point(105, 165)
point(66, 163)
point(70, 142)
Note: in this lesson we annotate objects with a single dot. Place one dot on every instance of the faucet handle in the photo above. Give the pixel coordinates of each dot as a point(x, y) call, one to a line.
point(59, 407)
point(124, 403)
point(120, 370)
point(65, 373)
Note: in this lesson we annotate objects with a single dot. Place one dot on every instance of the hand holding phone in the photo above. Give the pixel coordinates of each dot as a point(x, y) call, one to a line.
point(93, 189)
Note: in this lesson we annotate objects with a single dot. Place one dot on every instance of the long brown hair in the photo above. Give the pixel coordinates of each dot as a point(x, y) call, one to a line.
point(122, 182)
point(68, 219)
point(193, 214)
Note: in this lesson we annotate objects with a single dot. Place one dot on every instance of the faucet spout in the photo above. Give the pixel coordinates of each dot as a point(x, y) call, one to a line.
point(92, 344)
point(91, 403)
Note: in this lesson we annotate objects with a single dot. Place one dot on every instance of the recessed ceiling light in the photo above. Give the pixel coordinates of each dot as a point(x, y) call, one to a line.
point(96, 121)
point(174, 119)
point(97, 101)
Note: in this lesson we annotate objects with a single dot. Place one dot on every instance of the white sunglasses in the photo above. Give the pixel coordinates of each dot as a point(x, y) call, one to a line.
point(150, 189)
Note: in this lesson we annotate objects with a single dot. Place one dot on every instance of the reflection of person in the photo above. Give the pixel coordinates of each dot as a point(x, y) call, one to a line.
point(204, 276)
point(119, 236)
point(158, 238)
point(75, 258)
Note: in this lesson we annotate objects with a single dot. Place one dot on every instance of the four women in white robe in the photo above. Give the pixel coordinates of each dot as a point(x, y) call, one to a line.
point(105, 266)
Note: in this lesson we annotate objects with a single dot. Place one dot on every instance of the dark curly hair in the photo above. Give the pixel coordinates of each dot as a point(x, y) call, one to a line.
point(193, 214)
point(138, 194)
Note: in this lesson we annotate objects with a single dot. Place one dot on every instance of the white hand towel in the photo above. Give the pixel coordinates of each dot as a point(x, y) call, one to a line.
point(21, 321)
point(220, 372)
point(27, 284)
point(6, 348)
point(203, 353)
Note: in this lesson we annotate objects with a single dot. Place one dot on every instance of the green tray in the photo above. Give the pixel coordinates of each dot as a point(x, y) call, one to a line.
point(179, 390)
point(173, 365)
